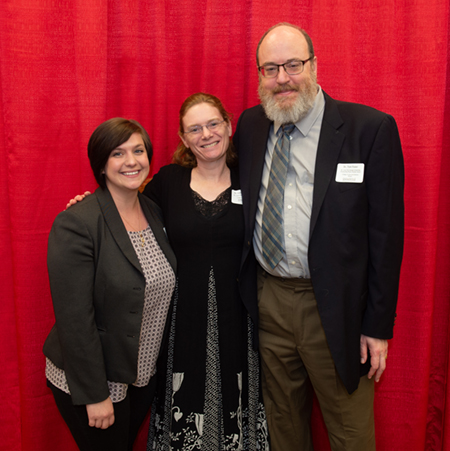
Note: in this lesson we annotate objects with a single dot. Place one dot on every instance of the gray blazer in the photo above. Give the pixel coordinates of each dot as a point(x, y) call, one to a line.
point(97, 288)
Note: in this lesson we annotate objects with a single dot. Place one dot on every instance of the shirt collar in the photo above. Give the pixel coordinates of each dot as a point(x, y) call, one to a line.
point(305, 124)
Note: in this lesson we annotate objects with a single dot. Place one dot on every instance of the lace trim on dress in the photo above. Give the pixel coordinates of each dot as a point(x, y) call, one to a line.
point(210, 209)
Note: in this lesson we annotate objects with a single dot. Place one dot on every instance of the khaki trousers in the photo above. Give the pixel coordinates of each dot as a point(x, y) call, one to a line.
point(296, 360)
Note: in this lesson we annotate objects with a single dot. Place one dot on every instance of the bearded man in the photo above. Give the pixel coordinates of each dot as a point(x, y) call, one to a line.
point(322, 188)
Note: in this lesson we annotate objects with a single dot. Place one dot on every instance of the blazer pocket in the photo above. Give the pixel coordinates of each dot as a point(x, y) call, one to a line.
point(349, 186)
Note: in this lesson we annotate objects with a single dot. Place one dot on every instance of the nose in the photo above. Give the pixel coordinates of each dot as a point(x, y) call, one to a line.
point(130, 159)
point(282, 76)
point(206, 132)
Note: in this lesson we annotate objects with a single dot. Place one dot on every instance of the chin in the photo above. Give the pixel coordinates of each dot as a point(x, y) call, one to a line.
point(285, 103)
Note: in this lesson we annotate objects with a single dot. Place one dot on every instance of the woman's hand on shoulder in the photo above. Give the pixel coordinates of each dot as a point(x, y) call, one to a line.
point(77, 198)
point(101, 414)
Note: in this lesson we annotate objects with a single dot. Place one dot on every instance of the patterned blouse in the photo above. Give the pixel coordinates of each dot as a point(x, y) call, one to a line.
point(159, 285)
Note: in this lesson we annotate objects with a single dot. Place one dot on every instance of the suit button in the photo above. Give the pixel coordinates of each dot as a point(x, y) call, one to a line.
point(137, 288)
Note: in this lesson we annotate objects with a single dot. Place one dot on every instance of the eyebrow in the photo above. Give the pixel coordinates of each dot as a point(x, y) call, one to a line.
point(121, 148)
point(287, 61)
point(209, 120)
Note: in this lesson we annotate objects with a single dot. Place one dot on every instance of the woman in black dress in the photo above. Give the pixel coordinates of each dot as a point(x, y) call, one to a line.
point(211, 399)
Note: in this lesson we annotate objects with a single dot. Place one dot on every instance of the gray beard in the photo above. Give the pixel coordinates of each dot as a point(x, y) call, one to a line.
point(289, 114)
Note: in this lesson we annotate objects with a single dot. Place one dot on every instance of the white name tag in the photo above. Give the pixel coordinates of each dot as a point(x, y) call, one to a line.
point(350, 173)
point(236, 196)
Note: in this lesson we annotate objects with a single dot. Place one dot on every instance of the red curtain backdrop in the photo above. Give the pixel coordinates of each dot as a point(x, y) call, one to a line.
point(66, 66)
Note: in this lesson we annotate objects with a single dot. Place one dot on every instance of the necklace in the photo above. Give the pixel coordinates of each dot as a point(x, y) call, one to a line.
point(141, 236)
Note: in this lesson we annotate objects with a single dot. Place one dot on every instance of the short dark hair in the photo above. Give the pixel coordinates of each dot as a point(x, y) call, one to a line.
point(110, 135)
point(286, 24)
point(183, 156)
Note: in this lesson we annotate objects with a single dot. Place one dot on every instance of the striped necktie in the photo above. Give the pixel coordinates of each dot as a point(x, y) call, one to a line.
point(272, 220)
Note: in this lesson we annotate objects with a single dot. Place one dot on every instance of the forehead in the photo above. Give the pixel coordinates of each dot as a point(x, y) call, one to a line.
point(201, 113)
point(134, 140)
point(281, 44)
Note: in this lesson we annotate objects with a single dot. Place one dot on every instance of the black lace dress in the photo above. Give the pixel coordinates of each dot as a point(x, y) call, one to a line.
point(211, 398)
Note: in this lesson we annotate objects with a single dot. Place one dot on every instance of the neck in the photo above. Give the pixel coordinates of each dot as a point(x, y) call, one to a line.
point(213, 172)
point(125, 201)
point(210, 180)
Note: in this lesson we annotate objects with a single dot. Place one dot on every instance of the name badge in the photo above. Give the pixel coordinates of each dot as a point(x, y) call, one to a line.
point(236, 196)
point(350, 173)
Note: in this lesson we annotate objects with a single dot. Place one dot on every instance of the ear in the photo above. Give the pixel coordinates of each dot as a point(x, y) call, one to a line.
point(184, 140)
point(314, 64)
point(230, 130)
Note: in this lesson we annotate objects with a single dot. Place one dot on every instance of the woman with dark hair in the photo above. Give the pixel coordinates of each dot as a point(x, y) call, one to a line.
point(112, 274)
point(211, 399)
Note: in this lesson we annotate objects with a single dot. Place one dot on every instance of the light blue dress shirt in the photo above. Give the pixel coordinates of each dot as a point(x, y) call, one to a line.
point(298, 194)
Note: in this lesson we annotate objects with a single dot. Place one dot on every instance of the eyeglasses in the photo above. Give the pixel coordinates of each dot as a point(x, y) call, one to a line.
point(293, 67)
point(197, 129)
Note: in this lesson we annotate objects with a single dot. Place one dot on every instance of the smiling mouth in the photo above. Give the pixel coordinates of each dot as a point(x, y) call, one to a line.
point(286, 89)
point(130, 173)
point(207, 146)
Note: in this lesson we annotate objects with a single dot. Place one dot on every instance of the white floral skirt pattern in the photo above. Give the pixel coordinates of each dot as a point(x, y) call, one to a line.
point(206, 406)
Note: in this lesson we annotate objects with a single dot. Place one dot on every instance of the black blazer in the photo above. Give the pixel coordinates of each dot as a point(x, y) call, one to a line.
point(356, 230)
point(98, 288)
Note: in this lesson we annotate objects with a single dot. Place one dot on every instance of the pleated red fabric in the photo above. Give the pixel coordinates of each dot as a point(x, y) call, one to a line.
point(66, 66)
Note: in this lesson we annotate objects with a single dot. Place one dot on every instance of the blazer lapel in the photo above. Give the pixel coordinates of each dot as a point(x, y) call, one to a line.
point(329, 147)
point(154, 217)
point(116, 227)
point(258, 146)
